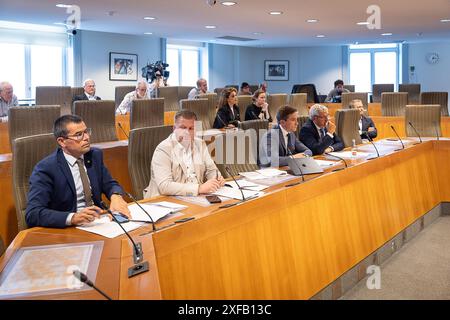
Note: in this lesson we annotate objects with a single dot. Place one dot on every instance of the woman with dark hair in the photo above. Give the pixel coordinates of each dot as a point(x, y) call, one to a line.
point(259, 109)
point(228, 113)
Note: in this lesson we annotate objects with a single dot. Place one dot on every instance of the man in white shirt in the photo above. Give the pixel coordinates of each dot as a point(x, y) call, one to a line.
point(202, 88)
point(139, 93)
point(7, 100)
point(89, 91)
point(181, 164)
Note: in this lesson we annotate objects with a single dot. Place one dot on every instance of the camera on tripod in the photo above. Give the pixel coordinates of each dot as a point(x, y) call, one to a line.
point(153, 70)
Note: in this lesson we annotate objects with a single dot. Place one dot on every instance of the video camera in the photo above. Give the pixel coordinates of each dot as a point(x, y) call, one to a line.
point(152, 70)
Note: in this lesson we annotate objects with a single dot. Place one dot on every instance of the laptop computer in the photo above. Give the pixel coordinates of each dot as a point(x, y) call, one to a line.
point(306, 165)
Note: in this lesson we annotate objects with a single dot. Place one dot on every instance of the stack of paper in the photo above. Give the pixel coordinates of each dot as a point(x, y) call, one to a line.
point(325, 163)
point(235, 193)
point(109, 229)
point(246, 185)
point(348, 155)
point(156, 210)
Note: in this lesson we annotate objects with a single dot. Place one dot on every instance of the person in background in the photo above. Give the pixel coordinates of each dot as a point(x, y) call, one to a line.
point(259, 109)
point(139, 93)
point(89, 92)
point(7, 100)
point(280, 142)
point(155, 84)
point(66, 187)
point(366, 124)
point(181, 164)
point(228, 113)
point(263, 87)
point(336, 93)
point(202, 88)
point(319, 133)
point(245, 90)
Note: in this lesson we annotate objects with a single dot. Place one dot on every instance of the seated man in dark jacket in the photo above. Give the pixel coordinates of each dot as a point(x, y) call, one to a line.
point(66, 187)
point(318, 133)
point(89, 92)
point(366, 124)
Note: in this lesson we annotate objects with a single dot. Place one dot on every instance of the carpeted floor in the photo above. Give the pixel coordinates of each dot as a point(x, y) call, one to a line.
point(419, 270)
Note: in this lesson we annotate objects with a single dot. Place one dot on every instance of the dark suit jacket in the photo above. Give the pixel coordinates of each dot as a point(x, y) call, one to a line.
point(311, 138)
point(52, 195)
point(83, 96)
point(280, 156)
point(225, 117)
point(366, 123)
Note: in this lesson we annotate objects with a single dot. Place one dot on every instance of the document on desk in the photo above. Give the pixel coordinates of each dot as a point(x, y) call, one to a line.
point(235, 193)
point(246, 184)
point(198, 200)
point(348, 155)
point(156, 210)
point(109, 229)
point(326, 164)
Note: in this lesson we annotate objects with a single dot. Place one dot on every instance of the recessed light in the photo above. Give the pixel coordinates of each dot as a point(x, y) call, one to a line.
point(60, 5)
point(228, 3)
point(149, 18)
point(387, 34)
point(149, 33)
point(312, 20)
point(275, 13)
point(445, 20)
point(320, 36)
point(362, 23)
point(210, 27)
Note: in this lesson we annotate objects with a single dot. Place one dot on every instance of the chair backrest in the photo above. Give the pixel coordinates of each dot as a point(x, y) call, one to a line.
point(120, 92)
point(253, 88)
point(146, 113)
point(170, 95)
point(298, 101)
point(100, 116)
point(276, 100)
point(27, 152)
point(378, 89)
point(413, 90)
point(259, 127)
point(77, 91)
point(141, 146)
point(236, 150)
point(243, 102)
point(347, 97)
point(218, 91)
point(301, 121)
point(30, 121)
point(212, 102)
point(393, 103)
point(309, 89)
point(202, 109)
point(55, 95)
point(347, 126)
point(425, 118)
point(440, 98)
point(232, 86)
point(349, 87)
point(183, 92)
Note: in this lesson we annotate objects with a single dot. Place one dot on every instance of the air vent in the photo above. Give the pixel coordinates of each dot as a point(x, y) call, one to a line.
point(235, 38)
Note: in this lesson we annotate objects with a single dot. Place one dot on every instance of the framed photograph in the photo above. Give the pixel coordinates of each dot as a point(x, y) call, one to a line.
point(276, 70)
point(123, 66)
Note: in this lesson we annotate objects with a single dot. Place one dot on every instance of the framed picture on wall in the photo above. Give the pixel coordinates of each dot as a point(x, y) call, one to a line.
point(276, 70)
point(123, 66)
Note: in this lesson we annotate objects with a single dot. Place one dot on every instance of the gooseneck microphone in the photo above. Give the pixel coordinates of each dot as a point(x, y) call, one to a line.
point(84, 279)
point(298, 167)
point(123, 130)
point(142, 208)
point(371, 141)
point(227, 169)
point(140, 266)
point(395, 131)
point(337, 157)
point(420, 139)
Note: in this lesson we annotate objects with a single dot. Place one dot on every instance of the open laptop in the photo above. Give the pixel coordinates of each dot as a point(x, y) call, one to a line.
point(306, 165)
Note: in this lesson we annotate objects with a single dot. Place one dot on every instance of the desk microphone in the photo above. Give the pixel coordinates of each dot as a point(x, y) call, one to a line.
point(420, 139)
point(84, 279)
point(371, 141)
point(123, 130)
point(142, 208)
point(298, 167)
point(227, 169)
point(342, 159)
point(140, 266)
point(221, 120)
point(436, 129)
point(395, 131)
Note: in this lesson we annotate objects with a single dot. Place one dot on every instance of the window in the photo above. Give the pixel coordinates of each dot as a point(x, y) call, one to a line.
point(373, 64)
point(13, 67)
point(184, 64)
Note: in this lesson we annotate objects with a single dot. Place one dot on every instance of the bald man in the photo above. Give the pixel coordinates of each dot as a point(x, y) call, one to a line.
point(89, 91)
point(7, 99)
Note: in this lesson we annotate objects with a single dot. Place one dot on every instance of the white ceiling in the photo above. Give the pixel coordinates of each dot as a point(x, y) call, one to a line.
point(408, 20)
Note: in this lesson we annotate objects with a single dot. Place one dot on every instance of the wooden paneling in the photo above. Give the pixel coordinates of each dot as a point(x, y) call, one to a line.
point(4, 138)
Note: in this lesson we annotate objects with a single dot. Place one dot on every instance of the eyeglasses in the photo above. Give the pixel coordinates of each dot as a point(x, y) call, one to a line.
point(79, 135)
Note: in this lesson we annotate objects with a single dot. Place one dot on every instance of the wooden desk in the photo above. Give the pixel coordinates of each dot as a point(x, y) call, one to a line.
point(290, 243)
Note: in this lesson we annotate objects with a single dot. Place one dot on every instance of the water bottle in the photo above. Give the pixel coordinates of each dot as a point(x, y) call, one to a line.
point(354, 152)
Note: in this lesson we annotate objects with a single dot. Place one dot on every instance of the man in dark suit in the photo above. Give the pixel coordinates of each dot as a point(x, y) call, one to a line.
point(280, 143)
point(366, 124)
point(66, 186)
point(319, 133)
point(89, 92)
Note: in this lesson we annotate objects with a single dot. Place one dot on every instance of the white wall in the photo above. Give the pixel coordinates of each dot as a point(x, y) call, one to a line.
point(432, 77)
point(95, 48)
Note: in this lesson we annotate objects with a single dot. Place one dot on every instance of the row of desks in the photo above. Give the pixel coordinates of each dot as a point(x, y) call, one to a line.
point(288, 244)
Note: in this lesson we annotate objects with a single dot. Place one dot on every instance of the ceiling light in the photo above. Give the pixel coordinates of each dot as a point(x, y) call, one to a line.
point(149, 18)
point(60, 5)
point(275, 13)
point(362, 23)
point(387, 34)
point(210, 27)
point(149, 33)
point(320, 36)
point(257, 33)
point(228, 3)
point(312, 20)
point(445, 20)
point(59, 23)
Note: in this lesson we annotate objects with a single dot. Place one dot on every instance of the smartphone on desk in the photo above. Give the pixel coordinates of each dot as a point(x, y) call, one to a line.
point(120, 217)
point(213, 199)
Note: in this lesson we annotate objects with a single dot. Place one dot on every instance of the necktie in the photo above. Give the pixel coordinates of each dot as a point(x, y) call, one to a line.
point(322, 133)
point(290, 145)
point(85, 181)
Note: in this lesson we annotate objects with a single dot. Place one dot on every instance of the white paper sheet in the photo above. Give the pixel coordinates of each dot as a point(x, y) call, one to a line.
point(235, 193)
point(326, 163)
point(198, 200)
point(347, 155)
point(271, 172)
point(109, 229)
point(247, 185)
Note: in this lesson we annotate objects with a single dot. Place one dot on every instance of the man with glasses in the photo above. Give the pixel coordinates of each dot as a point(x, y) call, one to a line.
point(319, 133)
point(7, 100)
point(139, 93)
point(66, 187)
point(89, 92)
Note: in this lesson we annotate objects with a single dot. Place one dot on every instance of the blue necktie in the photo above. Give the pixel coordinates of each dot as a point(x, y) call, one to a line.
point(322, 133)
